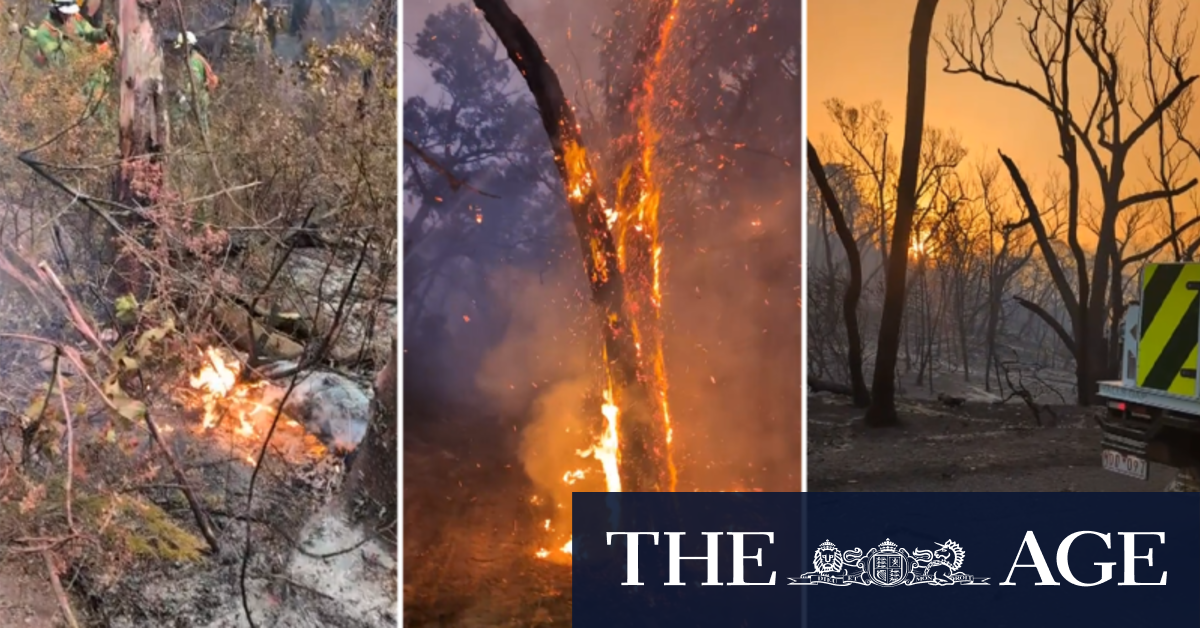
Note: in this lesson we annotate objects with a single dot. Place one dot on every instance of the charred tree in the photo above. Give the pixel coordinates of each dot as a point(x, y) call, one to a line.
point(854, 354)
point(882, 412)
point(93, 10)
point(643, 444)
point(1104, 135)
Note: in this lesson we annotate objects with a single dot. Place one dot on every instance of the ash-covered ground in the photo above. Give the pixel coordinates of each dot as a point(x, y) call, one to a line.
point(976, 447)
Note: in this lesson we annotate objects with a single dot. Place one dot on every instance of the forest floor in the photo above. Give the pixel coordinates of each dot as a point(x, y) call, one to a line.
point(976, 447)
point(471, 533)
point(26, 597)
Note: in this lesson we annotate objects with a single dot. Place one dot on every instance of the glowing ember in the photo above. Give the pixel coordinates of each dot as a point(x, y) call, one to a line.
point(567, 548)
point(543, 553)
point(570, 477)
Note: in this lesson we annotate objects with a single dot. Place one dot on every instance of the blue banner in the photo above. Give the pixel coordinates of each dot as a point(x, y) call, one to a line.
point(886, 559)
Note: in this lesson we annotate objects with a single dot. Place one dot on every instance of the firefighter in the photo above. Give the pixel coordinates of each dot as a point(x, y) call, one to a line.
point(49, 37)
point(201, 81)
point(65, 32)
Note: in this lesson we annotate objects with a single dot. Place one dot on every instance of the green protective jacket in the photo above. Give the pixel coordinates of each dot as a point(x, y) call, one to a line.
point(80, 29)
point(50, 43)
point(203, 77)
point(55, 43)
point(201, 82)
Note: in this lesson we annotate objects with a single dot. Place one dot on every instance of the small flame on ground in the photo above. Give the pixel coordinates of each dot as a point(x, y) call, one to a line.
point(224, 397)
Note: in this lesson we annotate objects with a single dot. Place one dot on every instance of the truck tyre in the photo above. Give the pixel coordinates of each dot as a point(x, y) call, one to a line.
point(1186, 481)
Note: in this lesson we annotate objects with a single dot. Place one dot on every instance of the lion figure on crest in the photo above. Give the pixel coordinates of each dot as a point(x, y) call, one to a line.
point(941, 563)
point(828, 561)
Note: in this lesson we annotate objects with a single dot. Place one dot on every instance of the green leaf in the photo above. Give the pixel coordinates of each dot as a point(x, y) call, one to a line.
point(126, 309)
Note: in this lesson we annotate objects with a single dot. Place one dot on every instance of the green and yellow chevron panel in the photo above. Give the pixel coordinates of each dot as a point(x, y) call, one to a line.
point(1170, 328)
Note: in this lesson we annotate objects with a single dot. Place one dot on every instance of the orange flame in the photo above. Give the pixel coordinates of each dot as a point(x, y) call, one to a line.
point(635, 228)
point(217, 382)
point(644, 236)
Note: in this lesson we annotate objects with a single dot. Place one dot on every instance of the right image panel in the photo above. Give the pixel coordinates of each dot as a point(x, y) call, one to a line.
point(1002, 285)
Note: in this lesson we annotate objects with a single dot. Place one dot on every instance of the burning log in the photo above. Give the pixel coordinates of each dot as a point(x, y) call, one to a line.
point(643, 434)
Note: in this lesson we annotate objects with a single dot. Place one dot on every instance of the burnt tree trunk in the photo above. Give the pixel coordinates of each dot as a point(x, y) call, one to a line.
point(882, 412)
point(143, 132)
point(371, 485)
point(643, 465)
point(854, 352)
point(299, 16)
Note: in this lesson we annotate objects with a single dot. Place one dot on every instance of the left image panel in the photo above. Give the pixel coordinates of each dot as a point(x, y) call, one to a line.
point(602, 209)
point(198, 313)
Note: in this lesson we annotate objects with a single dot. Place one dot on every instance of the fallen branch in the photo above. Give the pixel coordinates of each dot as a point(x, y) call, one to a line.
point(202, 520)
point(1018, 390)
point(77, 318)
point(62, 395)
point(64, 603)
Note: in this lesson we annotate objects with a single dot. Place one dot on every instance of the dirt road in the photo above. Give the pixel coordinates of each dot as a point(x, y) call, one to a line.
point(976, 447)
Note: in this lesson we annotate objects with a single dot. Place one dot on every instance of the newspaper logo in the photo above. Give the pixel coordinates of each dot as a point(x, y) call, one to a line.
point(889, 565)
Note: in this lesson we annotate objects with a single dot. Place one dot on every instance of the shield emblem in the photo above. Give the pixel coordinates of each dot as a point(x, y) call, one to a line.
point(887, 569)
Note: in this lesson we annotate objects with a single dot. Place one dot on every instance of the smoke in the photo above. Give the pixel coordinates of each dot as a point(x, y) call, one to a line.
point(733, 346)
point(545, 367)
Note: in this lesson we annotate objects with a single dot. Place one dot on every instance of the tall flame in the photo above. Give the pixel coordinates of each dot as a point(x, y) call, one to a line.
point(635, 225)
point(639, 233)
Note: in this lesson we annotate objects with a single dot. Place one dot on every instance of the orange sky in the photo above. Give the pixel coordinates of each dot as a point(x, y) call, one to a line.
point(857, 51)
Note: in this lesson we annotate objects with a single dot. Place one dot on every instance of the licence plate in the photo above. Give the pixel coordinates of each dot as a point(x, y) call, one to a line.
point(1125, 464)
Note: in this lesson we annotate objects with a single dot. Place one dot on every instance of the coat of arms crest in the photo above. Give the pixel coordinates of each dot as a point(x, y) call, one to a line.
point(888, 565)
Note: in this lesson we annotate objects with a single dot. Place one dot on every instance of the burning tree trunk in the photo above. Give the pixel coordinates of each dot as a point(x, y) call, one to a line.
point(883, 391)
point(643, 437)
point(637, 196)
point(371, 487)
